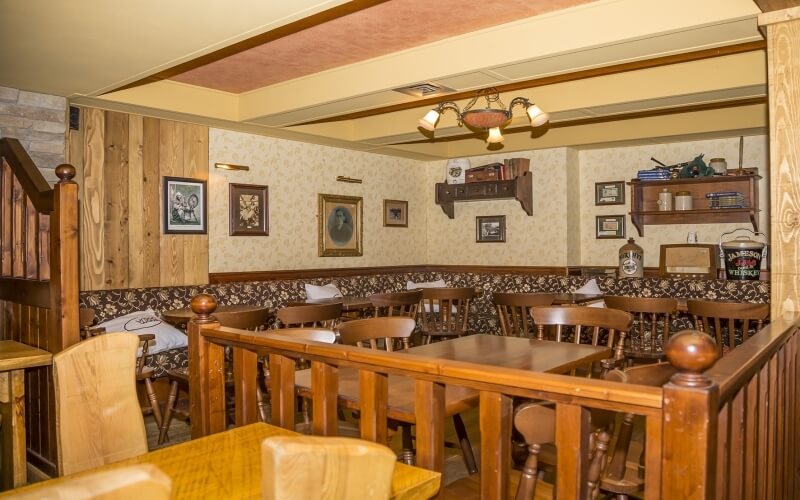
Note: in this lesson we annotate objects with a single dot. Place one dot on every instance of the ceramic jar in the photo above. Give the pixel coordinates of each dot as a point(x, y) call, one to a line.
point(664, 200)
point(683, 200)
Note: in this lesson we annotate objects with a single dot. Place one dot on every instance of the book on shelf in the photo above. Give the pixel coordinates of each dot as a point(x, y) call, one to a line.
point(514, 167)
point(723, 194)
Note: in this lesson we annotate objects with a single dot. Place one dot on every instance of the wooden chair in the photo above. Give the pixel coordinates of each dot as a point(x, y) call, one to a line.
point(98, 418)
point(144, 374)
point(244, 320)
point(582, 321)
point(333, 468)
point(136, 482)
point(514, 309)
point(536, 422)
point(686, 260)
point(445, 312)
point(396, 304)
point(652, 318)
point(310, 316)
point(721, 319)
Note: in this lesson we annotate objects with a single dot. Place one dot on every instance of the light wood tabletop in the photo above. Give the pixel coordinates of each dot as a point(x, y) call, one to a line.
point(228, 465)
point(15, 357)
point(494, 350)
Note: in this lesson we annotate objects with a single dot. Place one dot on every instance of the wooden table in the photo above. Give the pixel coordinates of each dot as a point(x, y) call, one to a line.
point(14, 358)
point(349, 304)
point(494, 350)
point(561, 299)
point(180, 317)
point(228, 465)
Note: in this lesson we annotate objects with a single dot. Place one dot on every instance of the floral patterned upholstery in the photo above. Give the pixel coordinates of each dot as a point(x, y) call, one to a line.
point(109, 304)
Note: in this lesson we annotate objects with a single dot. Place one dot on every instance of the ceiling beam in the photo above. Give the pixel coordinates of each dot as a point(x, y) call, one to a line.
point(773, 5)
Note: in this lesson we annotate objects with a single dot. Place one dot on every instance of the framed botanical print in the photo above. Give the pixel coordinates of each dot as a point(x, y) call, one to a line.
point(185, 206)
point(340, 226)
point(248, 210)
point(395, 213)
point(490, 229)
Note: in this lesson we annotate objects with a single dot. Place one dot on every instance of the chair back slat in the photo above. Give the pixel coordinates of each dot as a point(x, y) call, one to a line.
point(513, 311)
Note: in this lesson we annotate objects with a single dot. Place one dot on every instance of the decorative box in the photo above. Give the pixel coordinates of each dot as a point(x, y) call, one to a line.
point(490, 172)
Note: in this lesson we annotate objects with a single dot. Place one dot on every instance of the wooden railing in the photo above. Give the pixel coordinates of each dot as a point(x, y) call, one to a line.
point(682, 419)
point(38, 279)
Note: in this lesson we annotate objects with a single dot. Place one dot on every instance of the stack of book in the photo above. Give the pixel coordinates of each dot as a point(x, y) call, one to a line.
point(726, 199)
point(659, 174)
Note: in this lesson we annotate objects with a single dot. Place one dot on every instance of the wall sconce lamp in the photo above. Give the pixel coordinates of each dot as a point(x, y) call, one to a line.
point(488, 118)
point(230, 166)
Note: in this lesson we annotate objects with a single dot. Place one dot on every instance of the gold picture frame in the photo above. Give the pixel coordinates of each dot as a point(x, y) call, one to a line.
point(340, 223)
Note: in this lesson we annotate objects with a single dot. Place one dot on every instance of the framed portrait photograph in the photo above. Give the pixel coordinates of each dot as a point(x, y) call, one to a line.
point(395, 213)
point(248, 210)
point(490, 229)
point(610, 226)
point(609, 193)
point(340, 226)
point(185, 206)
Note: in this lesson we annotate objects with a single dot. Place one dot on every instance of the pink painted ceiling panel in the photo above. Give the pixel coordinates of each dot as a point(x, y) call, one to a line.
point(385, 28)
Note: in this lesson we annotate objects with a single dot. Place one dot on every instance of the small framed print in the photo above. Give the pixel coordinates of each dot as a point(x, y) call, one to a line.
point(395, 213)
point(610, 226)
point(184, 206)
point(340, 226)
point(490, 229)
point(609, 193)
point(248, 210)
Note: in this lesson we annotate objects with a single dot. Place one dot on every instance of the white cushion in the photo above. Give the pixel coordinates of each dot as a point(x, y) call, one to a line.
point(428, 284)
point(328, 291)
point(141, 322)
point(591, 288)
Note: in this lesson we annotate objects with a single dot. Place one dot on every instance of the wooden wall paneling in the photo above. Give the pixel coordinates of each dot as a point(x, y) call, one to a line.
point(195, 165)
point(31, 240)
point(75, 149)
point(170, 155)
point(115, 199)
point(44, 247)
point(136, 263)
point(151, 202)
point(6, 204)
point(783, 69)
point(17, 218)
point(92, 227)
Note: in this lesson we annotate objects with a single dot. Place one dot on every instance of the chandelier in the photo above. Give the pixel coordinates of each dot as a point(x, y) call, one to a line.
point(492, 118)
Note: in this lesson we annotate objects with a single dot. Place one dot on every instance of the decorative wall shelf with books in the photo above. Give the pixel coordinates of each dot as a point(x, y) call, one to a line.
point(644, 201)
point(519, 188)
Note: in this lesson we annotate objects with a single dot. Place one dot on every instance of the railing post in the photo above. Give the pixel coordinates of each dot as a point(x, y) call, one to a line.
point(206, 371)
point(281, 386)
point(495, 423)
point(690, 419)
point(325, 390)
point(64, 260)
point(429, 404)
point(572, 450)
point(374, 397)
point(245, 378)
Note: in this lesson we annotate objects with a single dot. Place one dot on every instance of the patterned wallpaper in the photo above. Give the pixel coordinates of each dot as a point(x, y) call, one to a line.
point(537, 240)
point(615, 164)
point(295, 173)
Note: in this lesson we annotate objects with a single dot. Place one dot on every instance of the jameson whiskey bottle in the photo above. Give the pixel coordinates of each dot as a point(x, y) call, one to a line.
point(631, 260)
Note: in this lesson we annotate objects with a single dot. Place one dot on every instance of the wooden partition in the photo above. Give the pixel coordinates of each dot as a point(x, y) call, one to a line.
point(38, 280)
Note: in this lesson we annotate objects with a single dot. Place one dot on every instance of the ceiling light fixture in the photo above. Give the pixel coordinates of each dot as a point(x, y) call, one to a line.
point(489, 118)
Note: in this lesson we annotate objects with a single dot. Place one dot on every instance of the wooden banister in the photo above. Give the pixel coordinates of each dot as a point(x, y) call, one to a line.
point(32, 182)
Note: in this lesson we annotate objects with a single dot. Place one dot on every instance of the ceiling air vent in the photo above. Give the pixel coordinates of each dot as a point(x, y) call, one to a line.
point(425, 89)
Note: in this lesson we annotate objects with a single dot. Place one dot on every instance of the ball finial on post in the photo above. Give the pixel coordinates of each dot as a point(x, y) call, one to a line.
point(203, 306)
point(65, 172)
point(692, 352)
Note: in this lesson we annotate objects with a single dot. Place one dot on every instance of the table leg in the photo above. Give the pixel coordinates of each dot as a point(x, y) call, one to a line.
point(13, 472)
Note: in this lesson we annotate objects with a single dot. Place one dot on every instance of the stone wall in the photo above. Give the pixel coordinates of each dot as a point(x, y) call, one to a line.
point(39, 122)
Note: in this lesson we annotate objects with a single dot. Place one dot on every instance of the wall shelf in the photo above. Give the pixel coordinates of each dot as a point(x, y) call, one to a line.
point(519, 188)
point(644, 198)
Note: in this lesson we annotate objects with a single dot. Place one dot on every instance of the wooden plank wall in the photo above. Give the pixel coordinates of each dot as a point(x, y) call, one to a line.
point(783, 60)
point(121, 160)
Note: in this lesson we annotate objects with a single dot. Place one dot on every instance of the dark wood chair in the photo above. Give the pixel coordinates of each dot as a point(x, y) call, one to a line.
point(652, 318)
point(722, 320)
point(688, 260)
point(583, 323)
point(310, 316)
point(254, 319)
point(396, 304)
point(144, 374)
point(514, 311)
point(536, 422)
point(445, 312)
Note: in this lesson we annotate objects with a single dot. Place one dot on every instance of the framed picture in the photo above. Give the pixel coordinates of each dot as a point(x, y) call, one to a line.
point(340, 226)
point(609, 193)
point(248, 210)
point(184, 205)
point(610, 226)
point(395, 213)
point(490, 229)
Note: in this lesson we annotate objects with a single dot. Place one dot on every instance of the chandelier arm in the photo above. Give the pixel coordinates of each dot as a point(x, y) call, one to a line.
point(519, 101)
point(450, 106)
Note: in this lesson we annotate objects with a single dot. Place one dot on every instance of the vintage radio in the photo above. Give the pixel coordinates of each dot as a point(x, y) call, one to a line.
point(490, 172)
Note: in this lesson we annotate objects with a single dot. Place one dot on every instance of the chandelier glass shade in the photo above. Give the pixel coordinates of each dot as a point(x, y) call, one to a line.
point(493, 117)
